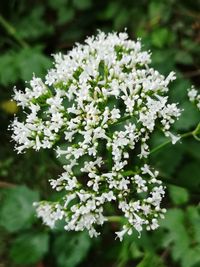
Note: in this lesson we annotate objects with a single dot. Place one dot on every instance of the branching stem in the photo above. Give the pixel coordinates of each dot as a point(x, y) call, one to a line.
point(193, 133)
point(11, 30)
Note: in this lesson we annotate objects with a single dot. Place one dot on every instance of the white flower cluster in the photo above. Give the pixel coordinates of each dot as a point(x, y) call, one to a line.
point(103, 101)
point(194, 96)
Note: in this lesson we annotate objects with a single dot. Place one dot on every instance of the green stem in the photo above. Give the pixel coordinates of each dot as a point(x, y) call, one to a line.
point(121, 120)
point(169, 141)
point(11, 30)
point(118, 219)
point(157, 148)
point(196, 132)
point(129, 173)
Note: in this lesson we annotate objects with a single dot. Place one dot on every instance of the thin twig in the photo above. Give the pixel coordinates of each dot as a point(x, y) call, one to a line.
point(6, 185)
point(11, 30)
point(169, 142)
point(118, 219)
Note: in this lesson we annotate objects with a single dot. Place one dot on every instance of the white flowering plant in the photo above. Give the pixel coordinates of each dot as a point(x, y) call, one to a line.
point(194, 96)
point(98, 108)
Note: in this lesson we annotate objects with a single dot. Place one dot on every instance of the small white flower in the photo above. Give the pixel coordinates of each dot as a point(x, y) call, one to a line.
point(192, 93)
point(121, 234)
point(174, 138)
point(194, 96)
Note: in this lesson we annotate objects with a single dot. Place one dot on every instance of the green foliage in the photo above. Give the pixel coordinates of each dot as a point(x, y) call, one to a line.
point(169, 164)
point(188, 178)
point(17, 211)
point(102, 69)
point(177, 237)
point(30, 32)
point(178, 195)
point(161, 37)
point(70, 249)
point(29, 248)
point(82, 4)
point(185, 122)
point(32, 26)
point(150, 260)
point(183, 235)
point(16, 65)
point(184, 57)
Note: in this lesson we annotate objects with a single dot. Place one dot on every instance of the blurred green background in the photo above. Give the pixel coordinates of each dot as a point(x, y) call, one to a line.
point(30, 32)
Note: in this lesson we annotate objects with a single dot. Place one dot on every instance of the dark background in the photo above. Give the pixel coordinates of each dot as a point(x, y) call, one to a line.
point(30, 31)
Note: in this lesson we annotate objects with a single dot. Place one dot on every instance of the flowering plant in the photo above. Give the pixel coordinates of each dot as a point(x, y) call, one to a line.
point(103, 101)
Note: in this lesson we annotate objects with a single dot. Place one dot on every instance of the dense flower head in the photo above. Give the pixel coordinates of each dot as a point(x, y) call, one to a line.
point(98, 108)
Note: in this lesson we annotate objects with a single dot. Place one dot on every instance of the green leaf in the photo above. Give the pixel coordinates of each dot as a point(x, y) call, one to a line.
point(188, 176)
point(177, 237)
point(17, 211)
point(155, 9)
point(161, 37)
point(121, 19)
point(191, 258)
point(29, 248)
point(160, 60)
point(158, 11)
point(5, 165)
point(22, 64)
point(189, 117)
point(31, 60)
point(193, 215)
point(192, 148)
point(71, 248)
point(190, 45)
point(9, 72)
point(178, 195)
point(178, 92)
point(111, 10)
point(183, 57)
point(65, 14)
point(151, 260)
point(168, 158)
point(82, 4)
point(58, 4)
point(183, 235)
point(33, 25)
